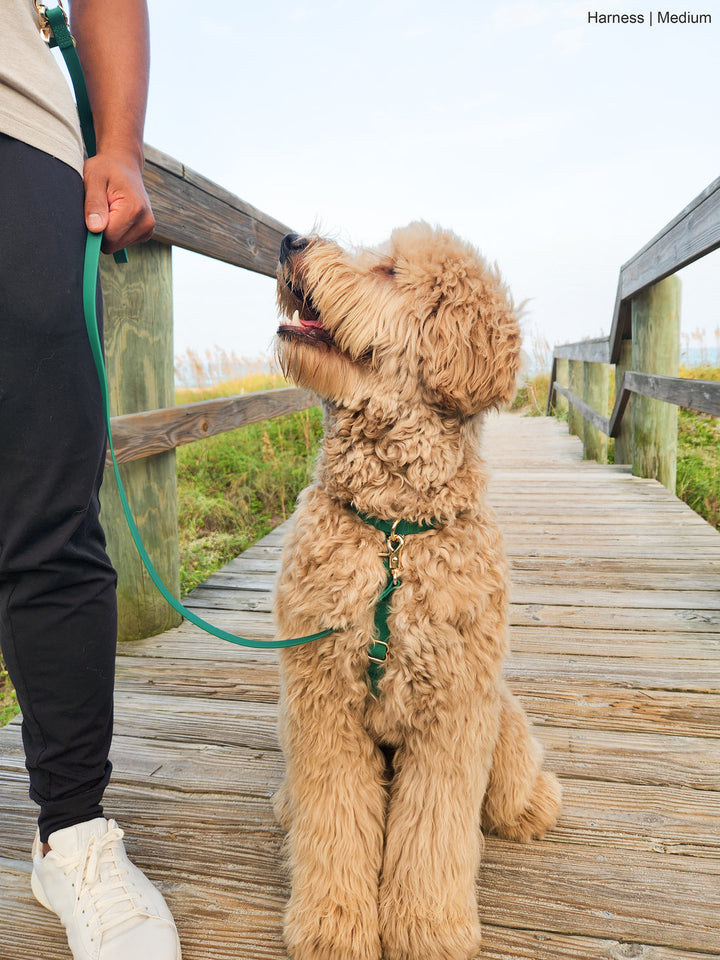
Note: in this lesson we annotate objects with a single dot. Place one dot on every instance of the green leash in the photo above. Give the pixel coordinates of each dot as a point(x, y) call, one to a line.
point(61, 37)
point(395, 531)
point(90, 272)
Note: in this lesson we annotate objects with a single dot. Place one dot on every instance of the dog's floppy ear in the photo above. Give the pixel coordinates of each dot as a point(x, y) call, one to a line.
point(470, 343)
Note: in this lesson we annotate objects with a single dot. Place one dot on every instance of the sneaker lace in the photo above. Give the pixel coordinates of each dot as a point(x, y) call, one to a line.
point(113, 897)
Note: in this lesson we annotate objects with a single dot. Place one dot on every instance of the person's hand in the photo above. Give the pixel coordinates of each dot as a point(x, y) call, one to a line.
point(116, 201)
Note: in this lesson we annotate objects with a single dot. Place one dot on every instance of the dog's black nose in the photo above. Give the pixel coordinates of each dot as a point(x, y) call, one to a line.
point(292, 243)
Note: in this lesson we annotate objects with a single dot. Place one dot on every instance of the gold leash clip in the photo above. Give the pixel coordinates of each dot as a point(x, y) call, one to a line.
point(394, 543)
point(43, 22)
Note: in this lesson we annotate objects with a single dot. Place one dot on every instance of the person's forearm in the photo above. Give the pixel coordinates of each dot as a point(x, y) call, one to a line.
point(113, 46)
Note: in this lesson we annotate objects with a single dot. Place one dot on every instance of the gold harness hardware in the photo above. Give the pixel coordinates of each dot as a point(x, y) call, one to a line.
point(43, 23)
point(394, 544)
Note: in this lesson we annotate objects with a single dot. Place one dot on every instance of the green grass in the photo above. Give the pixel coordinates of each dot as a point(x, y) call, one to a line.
point(8, 702)
point(698, 462)
point(234, 488)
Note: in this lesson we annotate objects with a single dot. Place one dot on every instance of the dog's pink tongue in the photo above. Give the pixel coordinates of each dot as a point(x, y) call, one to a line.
point(311, 323)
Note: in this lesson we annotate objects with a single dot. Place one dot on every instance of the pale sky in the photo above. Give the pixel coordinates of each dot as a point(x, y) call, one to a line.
point(557, 147)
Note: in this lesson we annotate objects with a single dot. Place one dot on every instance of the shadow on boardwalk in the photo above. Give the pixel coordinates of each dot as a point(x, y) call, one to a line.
point(616, 657)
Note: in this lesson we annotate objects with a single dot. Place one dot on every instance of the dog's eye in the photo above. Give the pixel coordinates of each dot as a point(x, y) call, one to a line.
point(385, 269)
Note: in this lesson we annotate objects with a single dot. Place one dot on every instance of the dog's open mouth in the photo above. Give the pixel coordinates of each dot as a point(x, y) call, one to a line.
point(305, 323)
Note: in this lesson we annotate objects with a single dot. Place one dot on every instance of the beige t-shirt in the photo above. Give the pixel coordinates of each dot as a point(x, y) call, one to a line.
point(36, 105)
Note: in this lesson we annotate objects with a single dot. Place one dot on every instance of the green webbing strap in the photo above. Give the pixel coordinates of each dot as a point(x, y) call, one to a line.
point(62, 38)
point(400, 528)
point(378, 649)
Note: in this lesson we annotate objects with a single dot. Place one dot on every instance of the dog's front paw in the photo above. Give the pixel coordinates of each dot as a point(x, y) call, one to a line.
point(410, 935)
point(328, 930)
point(540, 814)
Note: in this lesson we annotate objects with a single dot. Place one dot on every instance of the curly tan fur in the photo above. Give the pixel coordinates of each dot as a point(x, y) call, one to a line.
point(383, 800)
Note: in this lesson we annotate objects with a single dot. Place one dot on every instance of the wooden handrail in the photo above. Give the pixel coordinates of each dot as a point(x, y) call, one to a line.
point(692, 234)
point(194, 213)
point(197, 214)
point(592, 351)
point(138, 435)
point(702, 396)
point(647, 309)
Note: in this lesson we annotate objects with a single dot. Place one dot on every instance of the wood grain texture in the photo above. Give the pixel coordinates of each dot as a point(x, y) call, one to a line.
point(151, 432)
point(596, 390)
point(702, 396)
point(590, 351)
point(615, 654)
point(195, 213)
point(692, 234)
point(656, 350)
point(137, 300)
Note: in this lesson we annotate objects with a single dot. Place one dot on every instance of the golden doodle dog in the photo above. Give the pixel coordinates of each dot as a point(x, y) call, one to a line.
point(400, 736)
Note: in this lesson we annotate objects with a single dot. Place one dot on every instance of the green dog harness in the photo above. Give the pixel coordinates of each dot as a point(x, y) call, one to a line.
point(395, 532)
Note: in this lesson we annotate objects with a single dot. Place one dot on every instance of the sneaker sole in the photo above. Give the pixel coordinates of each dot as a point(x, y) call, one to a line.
point(38, 892)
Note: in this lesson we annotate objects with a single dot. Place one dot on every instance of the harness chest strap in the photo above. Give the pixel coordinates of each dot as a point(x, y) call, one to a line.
point(395, 532)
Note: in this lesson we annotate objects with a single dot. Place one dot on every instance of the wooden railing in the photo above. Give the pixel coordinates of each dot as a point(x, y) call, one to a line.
point(644, 348)
point(194, 213)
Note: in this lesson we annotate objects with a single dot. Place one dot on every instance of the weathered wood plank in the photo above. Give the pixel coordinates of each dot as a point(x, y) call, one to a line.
point(138, 321)
point(649, 896)
point(619, 700)
point(593, 595)
point(141, 435)
point(591, 895)
point(543, 612)
point(502, 943)
point(623, 618)
point(190, 643)
point(591, 351)
point(700, 395)
point(610, 755)
point(693, 233)
point(194, 213)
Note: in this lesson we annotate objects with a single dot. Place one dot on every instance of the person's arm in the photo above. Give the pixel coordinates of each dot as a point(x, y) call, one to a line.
point(113, 46)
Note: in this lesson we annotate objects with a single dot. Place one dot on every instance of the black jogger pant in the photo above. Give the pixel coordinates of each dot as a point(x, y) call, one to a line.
point(58, 619)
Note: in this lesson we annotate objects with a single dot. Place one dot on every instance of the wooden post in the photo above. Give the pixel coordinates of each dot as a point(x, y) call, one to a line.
point(623, 441)
point(656, 349)
point(562, 376)
point(596, 378)
point(576, 385)
point(137, 300)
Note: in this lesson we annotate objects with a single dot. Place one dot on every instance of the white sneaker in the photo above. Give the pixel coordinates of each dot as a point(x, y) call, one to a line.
point(109, 908)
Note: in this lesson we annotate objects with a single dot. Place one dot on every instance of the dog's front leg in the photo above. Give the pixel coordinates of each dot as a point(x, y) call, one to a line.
point(335, 791)
point(428, 906)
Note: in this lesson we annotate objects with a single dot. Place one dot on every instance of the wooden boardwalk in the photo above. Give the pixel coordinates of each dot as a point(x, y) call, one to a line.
point(616, 656)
